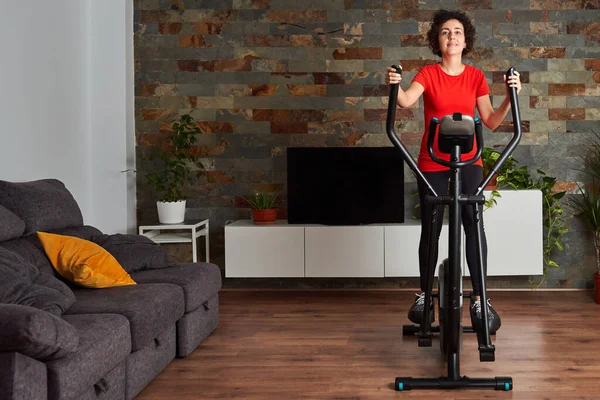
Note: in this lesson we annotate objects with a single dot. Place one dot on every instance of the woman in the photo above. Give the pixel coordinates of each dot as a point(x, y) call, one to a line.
point(448, 87)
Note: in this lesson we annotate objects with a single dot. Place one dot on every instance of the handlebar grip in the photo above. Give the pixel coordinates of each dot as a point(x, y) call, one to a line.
point(433, 123)
point(394, 90)
point(513, 91)
point(392, 104)
point(478, 130)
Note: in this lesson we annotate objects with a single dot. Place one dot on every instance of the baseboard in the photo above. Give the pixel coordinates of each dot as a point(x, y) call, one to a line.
point(394, 290)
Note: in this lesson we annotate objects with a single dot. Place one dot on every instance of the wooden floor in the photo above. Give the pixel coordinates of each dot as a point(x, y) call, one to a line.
point(349, 345)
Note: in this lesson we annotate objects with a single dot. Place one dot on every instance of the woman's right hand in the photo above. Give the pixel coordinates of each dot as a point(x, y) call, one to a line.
point(392, 77)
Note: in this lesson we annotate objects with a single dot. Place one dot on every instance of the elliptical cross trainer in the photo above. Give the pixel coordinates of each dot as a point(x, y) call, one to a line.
point(455, 138)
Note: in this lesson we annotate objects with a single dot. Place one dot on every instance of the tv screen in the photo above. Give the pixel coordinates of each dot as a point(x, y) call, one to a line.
point(345, 185)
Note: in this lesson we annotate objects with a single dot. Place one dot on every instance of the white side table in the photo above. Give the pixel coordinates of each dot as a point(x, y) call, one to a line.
point(196, 229)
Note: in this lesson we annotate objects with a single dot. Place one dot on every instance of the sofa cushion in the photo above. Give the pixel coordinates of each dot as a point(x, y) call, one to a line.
point(199, 281)
point(104, 343)
point(83, 262)
point(134, 252)
point(43, 204)
point(35, 333)
point(150, 308)
point(21, 283)
point(11, 226)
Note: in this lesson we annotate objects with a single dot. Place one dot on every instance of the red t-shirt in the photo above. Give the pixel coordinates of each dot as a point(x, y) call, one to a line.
point(445, 95)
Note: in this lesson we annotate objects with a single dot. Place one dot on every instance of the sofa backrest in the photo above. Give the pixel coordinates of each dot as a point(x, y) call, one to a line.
point(26, 208)
point(42, 205)
point(11, 226)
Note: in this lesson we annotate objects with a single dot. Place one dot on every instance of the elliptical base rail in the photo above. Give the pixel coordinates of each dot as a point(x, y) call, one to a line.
point(498, 383)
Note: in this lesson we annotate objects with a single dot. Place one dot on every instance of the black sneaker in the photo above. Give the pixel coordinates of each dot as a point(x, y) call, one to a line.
point(415, 314)
point(476, 316)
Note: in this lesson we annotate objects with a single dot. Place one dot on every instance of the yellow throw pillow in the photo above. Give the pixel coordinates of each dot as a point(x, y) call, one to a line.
point(83, 262)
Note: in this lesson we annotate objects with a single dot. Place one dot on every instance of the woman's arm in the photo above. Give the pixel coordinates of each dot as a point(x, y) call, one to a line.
point(492, 119)
point(405, 98)
point(411, 95)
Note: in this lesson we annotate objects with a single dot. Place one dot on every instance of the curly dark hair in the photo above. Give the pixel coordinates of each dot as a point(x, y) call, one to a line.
point(440, 19)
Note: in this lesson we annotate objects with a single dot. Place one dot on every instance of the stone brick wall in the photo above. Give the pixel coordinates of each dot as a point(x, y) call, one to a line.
point(262, 75)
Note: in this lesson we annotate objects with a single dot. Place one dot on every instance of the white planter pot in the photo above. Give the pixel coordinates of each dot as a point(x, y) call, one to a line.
point(171, 212)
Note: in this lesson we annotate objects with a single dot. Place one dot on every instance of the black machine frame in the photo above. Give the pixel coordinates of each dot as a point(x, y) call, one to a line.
point(450, 294)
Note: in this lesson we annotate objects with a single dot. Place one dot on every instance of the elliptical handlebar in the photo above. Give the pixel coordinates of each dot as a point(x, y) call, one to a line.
point(393, 136)
point(391, 132)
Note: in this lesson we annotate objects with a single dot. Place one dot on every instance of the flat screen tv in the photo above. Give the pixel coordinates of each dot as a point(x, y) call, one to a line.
point(345, 185)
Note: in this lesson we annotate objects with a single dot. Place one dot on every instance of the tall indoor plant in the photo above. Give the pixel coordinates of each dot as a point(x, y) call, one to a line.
point(587, 205)
point(178, 166)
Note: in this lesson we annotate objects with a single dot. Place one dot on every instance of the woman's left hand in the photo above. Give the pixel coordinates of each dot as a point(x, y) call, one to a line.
point(514, 81)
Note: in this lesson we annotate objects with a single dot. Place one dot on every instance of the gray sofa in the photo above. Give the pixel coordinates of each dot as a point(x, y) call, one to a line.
point(63, 341)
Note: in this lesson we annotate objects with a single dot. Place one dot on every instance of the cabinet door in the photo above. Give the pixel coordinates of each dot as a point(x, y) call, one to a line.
point(514, 233)
point(264, 251)
point(344, 251)
point(402, 249)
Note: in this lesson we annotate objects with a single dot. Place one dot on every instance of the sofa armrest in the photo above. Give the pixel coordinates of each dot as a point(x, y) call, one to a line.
point(22, 377)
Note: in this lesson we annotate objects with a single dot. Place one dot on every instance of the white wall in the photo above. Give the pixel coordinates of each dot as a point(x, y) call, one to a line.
point(67, 102)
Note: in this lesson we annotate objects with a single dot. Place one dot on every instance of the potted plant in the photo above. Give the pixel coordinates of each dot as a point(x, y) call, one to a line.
point(263, 208)
point(587, 206)
point(178, 167)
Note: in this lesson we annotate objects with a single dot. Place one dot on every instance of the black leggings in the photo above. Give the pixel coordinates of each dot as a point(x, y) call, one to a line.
point(471, 177)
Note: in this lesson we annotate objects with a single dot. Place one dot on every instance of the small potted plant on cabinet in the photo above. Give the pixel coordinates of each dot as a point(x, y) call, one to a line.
point(587, 205)
point(179, 166)
point(263, 208)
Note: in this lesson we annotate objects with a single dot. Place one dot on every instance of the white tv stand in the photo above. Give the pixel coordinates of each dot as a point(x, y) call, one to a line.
point(513, 227)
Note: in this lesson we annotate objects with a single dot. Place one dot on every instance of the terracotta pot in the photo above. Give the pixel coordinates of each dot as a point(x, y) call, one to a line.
point(597, 279)
point(264, 217)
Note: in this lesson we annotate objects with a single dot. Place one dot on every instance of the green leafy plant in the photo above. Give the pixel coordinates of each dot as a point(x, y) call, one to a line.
point(587, 206)
point(489, 156)
point(262, 200)
point(554, 223)
point(179, 166)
